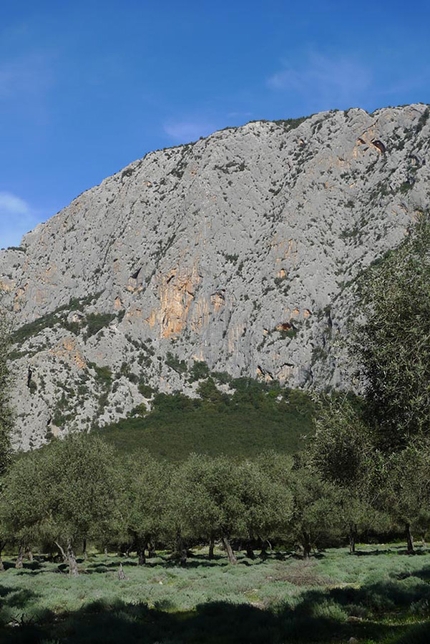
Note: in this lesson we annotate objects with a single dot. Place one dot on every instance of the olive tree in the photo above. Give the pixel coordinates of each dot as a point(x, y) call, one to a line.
point(23, 502)
point(83, 492)
point(343, 453)
point(267, 505)
point(269, 515)
point(205, 502)
point(392, 343)
point(144, 482)
point(66, 491)
point(315, 517)
point(406, 488)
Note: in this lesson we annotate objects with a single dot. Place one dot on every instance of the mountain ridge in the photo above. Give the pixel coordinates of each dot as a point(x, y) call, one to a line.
point(238, 250)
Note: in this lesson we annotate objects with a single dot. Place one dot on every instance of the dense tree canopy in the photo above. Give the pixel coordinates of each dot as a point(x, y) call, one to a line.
point(342, 446)
point(205, 500)
point(376, 453)
point(24, 514)
point(343, 453)
point(393, 343)
point(142, 502)
point(406, 488)
point(66, 492)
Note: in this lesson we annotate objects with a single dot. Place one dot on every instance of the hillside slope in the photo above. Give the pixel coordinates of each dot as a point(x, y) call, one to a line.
point(237, 251)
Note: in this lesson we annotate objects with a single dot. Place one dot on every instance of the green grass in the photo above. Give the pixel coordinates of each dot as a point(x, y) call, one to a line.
point(236, 428)
point(381, 596)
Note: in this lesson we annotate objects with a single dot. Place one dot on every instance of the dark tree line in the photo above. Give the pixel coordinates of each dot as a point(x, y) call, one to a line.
point(78, 490)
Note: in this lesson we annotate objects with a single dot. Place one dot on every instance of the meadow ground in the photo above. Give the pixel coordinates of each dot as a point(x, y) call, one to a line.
point(380, 595)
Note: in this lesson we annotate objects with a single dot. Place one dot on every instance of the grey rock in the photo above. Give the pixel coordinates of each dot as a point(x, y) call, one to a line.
point(238, 250)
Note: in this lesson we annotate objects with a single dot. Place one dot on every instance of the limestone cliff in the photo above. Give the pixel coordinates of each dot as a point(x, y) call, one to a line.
point(237, 250)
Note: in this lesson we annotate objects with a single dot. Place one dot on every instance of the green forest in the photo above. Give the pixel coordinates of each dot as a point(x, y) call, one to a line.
point(278, 485)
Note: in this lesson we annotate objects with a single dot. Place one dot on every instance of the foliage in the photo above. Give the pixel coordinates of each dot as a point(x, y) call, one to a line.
point(209, 393)
point(70, 493)
point(291, 124)
point(267, 494)
point(217, 498)
point(405, 487)
point(33, 328)
point(342, 446)
point(370, 450)
point(20, 249)
point(243, 424)
point(392, 344)
point(83, 487)
point(144, 482)
point(145, 390)
point(174, 363)
point(343, 453)
point(58, 316)
point(23, 510)
point(97, 321)
point(204, 499)
point(315, 518)
point(103, 374)
point(198, 371)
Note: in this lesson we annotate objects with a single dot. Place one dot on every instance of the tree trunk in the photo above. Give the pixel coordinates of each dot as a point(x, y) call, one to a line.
point(141, 554)
point(211, 547)
point(352, 538)
point(84, 549)
point(30, 556)
point(307, 546)
point(151, 548)
point(19, 559)
point(181, 550)
point(71, 559)
point(229, 550)
point(423, 540)
point(249, 550)
point(61, 549)
point(409, 538)
point(183, 557)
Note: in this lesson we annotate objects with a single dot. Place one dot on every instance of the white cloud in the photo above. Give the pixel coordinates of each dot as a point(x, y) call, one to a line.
point(24, 76)
point(12, 205)
point(16, 219)
point(185, 131)
point(325, 82)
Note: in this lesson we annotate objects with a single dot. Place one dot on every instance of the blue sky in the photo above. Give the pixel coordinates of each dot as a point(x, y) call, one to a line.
point(86, 87)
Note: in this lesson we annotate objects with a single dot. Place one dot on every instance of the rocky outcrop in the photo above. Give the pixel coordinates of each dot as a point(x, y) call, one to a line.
point(238, 250)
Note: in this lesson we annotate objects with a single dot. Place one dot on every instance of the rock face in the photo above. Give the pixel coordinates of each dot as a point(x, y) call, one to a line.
point(238, 250)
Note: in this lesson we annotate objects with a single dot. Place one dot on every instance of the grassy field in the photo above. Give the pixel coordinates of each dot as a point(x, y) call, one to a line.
point(380, 595)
